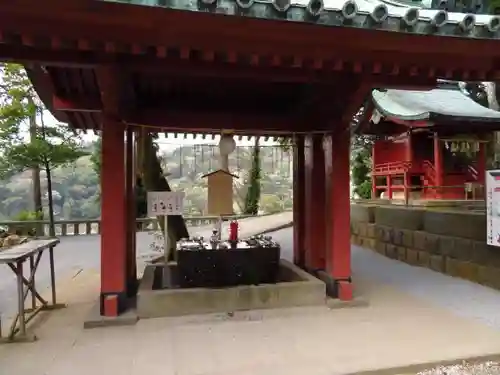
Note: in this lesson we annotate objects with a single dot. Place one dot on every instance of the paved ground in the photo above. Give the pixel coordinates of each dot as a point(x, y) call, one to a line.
point(414, 316)
point(77, 253)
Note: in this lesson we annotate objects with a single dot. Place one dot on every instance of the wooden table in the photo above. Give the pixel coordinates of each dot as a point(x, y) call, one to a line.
point(15, 257)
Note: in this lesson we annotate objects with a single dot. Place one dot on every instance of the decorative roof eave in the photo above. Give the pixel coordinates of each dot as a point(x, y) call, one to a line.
point(218, 171)
point(386, 113)
point(438, 118)
point(442, 104)
point(367, 14)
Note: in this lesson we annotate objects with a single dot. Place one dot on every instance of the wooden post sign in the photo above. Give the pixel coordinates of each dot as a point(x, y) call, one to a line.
point(493, 208)
point(165, 203)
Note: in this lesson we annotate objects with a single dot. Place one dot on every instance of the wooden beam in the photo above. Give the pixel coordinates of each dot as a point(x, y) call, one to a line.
point(107, 80)
point(178, 67)
point(117, 94)
point(188, 120)
point(79, 105)
point(355, 99)
point(123, 23)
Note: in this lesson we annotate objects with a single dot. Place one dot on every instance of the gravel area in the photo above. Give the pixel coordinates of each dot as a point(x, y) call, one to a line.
point(485, 368)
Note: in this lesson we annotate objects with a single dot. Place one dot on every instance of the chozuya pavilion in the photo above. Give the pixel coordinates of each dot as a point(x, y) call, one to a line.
point(271, 67)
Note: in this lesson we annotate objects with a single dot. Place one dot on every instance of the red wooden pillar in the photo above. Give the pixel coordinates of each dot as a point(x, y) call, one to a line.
point(113, 220)
point(298, 202)
point(315, 202)
point(339, 251)
point(409, 148)
point(409, 159)
point(438, 165)
point(131, 214)
point(406, 184)
point(389, 186)
point(481, 168)
point(327, 150)
point(374, 179)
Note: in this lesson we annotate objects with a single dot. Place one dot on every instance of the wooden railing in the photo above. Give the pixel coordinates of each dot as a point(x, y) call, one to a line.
point(89, 227)
point(393, 167)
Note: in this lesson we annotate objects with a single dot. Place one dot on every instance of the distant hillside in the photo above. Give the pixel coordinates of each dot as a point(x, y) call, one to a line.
point(76, 188)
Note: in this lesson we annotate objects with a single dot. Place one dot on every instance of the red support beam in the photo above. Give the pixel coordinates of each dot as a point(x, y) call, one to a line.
point(131, 213)
point(298, 201)
point(339, 251)
point(374, 179)
point(80, 105)
point(113, 221)
point(406, 186)
point(409, 147)
point(315, 202)
point(143, 25)
point(438, 165)
point(180, 120)
point(176, 119)
point(389, 186)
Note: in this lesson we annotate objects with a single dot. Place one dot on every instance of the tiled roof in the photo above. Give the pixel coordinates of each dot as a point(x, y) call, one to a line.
point(390, 15)
point(423, 105)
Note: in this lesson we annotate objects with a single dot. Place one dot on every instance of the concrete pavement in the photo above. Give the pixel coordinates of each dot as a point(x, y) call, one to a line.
point(404, 324)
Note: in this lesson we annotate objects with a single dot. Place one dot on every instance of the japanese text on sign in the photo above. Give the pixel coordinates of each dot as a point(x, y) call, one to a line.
point(165, 203)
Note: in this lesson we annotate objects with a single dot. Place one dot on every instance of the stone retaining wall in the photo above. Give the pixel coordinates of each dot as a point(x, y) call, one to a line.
point(449, 242)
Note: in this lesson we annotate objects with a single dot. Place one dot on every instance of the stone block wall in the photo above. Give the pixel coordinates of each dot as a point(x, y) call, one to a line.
point(453, 243)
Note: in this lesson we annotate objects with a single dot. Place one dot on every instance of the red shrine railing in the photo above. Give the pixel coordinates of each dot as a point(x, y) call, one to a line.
point(392, 167)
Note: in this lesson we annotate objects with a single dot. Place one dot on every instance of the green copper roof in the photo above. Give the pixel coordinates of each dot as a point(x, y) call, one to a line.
point(424, 105)
point(389, 15)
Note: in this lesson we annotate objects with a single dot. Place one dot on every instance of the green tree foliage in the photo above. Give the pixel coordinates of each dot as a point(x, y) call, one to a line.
point(478, 91)
point(76, 186)
point(49, 147)
point(95, 157)
point(360, 173)
point(17, 94)
point(19, 105)
point(53, 146)
point(253, 193)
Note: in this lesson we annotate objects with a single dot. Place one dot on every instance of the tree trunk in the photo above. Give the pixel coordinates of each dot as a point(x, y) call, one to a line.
point(154, 179)
point(253, 193)
point(35, 172)
point(52, 226)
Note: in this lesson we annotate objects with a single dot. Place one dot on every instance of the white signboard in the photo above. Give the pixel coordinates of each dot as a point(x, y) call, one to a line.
point(493, 207)
point(165, 203)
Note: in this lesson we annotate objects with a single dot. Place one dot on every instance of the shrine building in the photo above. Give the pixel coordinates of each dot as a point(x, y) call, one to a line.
point(430, 144)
